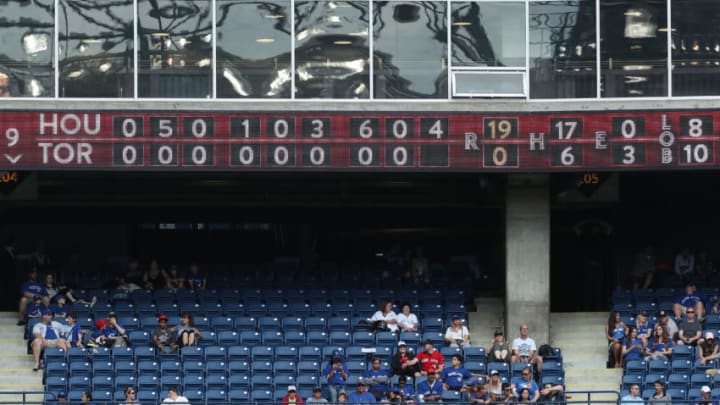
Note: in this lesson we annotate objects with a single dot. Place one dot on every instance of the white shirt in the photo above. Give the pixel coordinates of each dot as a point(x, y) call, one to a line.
point(684, 265)
point(390, 316)
point(179, 399)
point(41, 329)
point(407, 321)
point(451, 333)
point(524, 346)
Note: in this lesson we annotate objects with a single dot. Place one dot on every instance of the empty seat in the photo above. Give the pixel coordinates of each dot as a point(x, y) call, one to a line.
point(309, 353)
point(228, 338)
point(215, 353)
point(238, 353)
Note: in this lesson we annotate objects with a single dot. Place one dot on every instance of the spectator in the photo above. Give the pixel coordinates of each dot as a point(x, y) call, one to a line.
point(56, 291)
point(525, 350)
point(660, 346)
point(685, 263)
point(714, 305)
point(495, 386)
point(457, 334)
point(130, 395)
point(420, 266)
point(46, 334)
point(643, 327)
point(133, 275)
point(508, 394)
point(86, 398)
point(385, 318)
point(708, 349)
point(633, 349)
point(454, 377)
point(393, 397)
point(691, 299)
point(59, 308)
point(336, 373)
point(154, 278)
point(525, 381)
point(615, 333)
point(430, 390)
point(524, 396)
point(660, 397)
point(195, 280)
point(72, 333)
point(174, 397)
point(499, 350)
point(404, 362)
point(292, 398)
point(406, 320)
point(114, 332)
point(61, 397)
point(187, 333)
point(706, 396)
point(669, 324)
point(162, 336)
point(34, 311)
point(407, 391)
point(97, 337)
point(29, 290)
point(478, 394)
point(175, 280)
point(5, 90)
point(690, 329)
point(633, 396)
point(644, 269)
point(431, 361)
point(377, 377)
point(342, 398)
point(551, 394)
point(316, 397)
point(361, 396)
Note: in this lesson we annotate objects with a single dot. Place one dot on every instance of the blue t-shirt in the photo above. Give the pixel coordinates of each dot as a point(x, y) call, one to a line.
point(364, 398)
point(619, 333)
point(424, 388)
point(408, 389)
point(634, 354)
point(195, 280)
point(454, 377)
point(337, 377)
point(530, 385)
point(378, 373)
point(72, 334)
point(476, 395)
point(35, 311)
point(33, 287)
point(659, 347)
point(689, 300)
point(59, 311)
point(645, 329)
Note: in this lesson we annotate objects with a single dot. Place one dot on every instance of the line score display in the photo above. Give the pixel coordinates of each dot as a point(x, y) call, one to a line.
point(150, 140)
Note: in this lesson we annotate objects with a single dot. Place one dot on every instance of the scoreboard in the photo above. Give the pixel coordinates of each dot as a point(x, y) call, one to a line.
point(393, 140)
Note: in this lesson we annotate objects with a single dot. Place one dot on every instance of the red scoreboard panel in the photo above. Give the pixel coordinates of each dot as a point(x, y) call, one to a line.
point(152, 140)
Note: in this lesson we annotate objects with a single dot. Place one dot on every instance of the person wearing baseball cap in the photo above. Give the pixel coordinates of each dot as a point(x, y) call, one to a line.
point(46, 334)
point(361, 396)
point(292, 398)
point(431, 361)
point(163, 337)
point(61, 397)
point(407, 391)
point(28, 291)
point(706, 396)
point(669, 323)
point(708, 351)
point(97, 337)
point(335, 373)
point(404, 362)
point(495, 385)
point(316, 397)
point(500, 349)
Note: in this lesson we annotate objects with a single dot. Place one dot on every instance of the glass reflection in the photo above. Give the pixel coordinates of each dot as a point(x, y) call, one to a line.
point(488, 34)
point(562, 49)
point(410, 49)
point(96, 48)
point(634, 48)
point(26, 48)
point(175, 53)
point(254, 46)
point(331, 49)
point(696, 47)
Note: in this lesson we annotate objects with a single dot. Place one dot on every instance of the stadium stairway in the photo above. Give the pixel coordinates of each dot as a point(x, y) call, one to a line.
point(16, 373)
point(488, 317)
point(581, 336)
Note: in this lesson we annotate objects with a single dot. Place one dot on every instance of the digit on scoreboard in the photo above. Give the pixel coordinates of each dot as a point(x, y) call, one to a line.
point(627, 149)
point(245, 127)
point(280, 127)
point(497, 131)
point(399, 128)
point(281, 155)
point(316, 155)
point(128, 154)
point(316, 128)
point(399, 155)
point(364, 128)
point(198, 127)
point(364, 155)
point(195, 154)
point(128, 127)
point(565, 152)
point(434, 155)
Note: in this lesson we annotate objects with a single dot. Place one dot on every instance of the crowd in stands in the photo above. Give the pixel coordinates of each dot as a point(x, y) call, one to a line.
point(173, 319)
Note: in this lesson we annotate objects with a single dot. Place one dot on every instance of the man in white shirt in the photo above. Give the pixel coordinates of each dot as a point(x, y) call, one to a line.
point(525, 351)
point(46, 334)
point(174, 397)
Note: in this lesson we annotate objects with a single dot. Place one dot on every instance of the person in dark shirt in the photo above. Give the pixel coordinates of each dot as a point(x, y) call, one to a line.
point(404, 362)
point(196, 280)
point(377, 377)
point(29, 290)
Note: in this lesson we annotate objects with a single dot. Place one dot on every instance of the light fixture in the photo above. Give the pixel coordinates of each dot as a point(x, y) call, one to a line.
point(204, 62)
point(342, 42)
point(274, 16)
point(462, 23)
point(637, 67)
point(160, 34)
point(105, 67)
point(75, 74)
point(265, 40)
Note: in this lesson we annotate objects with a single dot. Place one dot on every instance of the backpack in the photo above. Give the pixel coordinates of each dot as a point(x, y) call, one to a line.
point(545, 350)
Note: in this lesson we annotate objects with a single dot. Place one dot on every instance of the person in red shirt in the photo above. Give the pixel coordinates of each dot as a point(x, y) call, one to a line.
point(431, 361)
point(292, 398)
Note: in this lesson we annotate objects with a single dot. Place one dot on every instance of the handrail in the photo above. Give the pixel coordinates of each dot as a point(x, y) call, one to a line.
point(577, 396)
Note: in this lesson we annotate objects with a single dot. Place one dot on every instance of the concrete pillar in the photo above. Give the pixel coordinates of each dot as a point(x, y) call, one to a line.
point(527, 256)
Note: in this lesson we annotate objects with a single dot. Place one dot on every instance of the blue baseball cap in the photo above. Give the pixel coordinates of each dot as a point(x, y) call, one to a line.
point(37, 297)
point(46, 312)
point(61, 394)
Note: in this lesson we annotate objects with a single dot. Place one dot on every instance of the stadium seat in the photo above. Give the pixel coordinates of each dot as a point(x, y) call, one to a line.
point(216, 382)
point(238, 353)
point(315, 324)
point(215, 367)
point(414, 339)
point(432, 325)
point(650, 380)
point(502, 368)
point(269, 323)
point(241, 381)
point(194, 382)
point(272, 338)
point(221, 323)
point(450, 396)
point(309, 353)
point(262, 353)
point(316, 338)
point(262, 382)
point(448, 352)
point(191, 354)
point(339, 324)
point(681, 366)
point(144, 353)
point(259, 396)
point(260, 368)
point(697, 380)
point(170, 368)
point(678, 381)
point(386, 338)
point(148, 367)
point(144, 396)
point(478, 367)
point(340, 338)
point(628, 380)
point(682, 352)
point(553, 369)
point(148, 383)
point(700, 368)
point(245, 323)
point(215, 353)
point(122, 354)
point(80, 369)
point(307, 382)
point(56, 369)
point(102, 369)
point(170, 380)
point(54, 355)
point(228, 338)
point(193, 369)
point(98, 395)
point(56, 384)
point(654, 366)
point(250, 338)
point(356, 367)
point(282, 381)
point(635, 367)
point(365, 339)
point(125, 368)
point(238, 395)
point(309, 368)
point(284, 368)
point(292, 324)
point(286, 353)
point(437, 338)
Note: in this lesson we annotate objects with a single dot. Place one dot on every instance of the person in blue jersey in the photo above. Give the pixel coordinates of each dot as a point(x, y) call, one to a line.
point(525, 381)
point(691, 299)
point(615, 333)
point(430, 390)
point(633, 348)
point(34, 311)
point(194, 279)
point(28, 291)
point(377, 377)
point(407, 391)
point(115, 332)
point(644, 327)
point(361, 396)
point(336, 373)
point(46, 334)
point(660, 345)
point(60, 308)
point(478, 393)
point(72, 333)
point(97, 337)
point(453, 377)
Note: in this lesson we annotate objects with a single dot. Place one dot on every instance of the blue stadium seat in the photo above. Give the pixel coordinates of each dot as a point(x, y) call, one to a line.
point(340, 338)
point(693, 393)
point(650, 380)
point(655, 367)
point(635, 367)
point(215, 353)
point(191, 354)
point(216, 368)
point(54, 355)
point(138, 338)
point(144, 353)
point(216, 382)
point(356, 353)
point(553, 369)
point(307, 382)
point(238, 395)
point(681, 366)
point(678, 381)
point(228, 338)
point(315, 324)
point(284, 368)
point(148, 368)
point(356, 367)
point(168, 381)
point(682, 352)
point(194, 382)
point(292, 323)
point(250, 338)
point(262, 382)
point(260, 396)
point(697, 380)
point(170, 368)
point(261, 368)
point(194, 396)
point(386, 338)
point(272, 338)
point(552, 380)
point(502, 368)
point(432, 325)
point(269, 323)
point(56, 369)
point(309, 353)
point(448, 352)
point(412, 338)
point(322, 309)
point(436, 338)
point(98, 395)
point(241, 381)
point(262, 353)
point(700, 368)
point(245, 323)
point(144, 396)
point(479, 367)
point(628, 380)
point(299, 309)
point(450, 396)
point(122, 354)
point(221, 323)
point(77, 354)
point(125, 368)
point(81, 369)
point(339, 324)
point(147, 383)
point(238, 353)
point(102, 369)
point(56, 384)
point(294, 338)
point(363, 339)
point(309, 368)
point(193, 369)
point(282, 381)
point(316, 338)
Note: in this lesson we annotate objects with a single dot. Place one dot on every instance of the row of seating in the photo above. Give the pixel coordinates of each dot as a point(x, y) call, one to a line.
point(681, 366)
point(680, 381)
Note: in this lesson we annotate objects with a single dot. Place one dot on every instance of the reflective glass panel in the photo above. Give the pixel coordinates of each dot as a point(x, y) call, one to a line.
point(96, 48)
point(410, 49)
point(253, 48)
point(562, 49)
point(175, 50)
point(331, 49)
point(488, 34)
point(696, 47)
point(633, 49)
point(26, 48)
